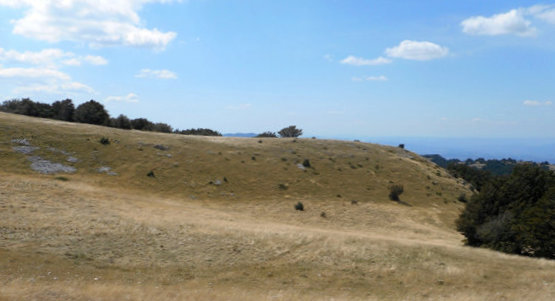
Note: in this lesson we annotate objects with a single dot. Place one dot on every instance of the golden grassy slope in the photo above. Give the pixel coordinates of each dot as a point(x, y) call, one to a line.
point(178, 237)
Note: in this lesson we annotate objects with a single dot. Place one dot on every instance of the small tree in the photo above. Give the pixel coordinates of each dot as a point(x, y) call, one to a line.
point(290, 131)
point(267, 134)
point(395, 191)
point(91, 112)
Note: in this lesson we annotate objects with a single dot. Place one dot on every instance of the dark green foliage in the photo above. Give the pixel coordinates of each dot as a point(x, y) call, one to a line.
point(283, 187)
point(63, 110)
point(162, 127)
point(306, 163)
point(462, 198)
point(27, 107)
point(476, 177)
point(402, 145)
point(150, 174)
point(121, 122)
point(142, 124)
point(104, 141)
point(267, 134)
point(513, 214)
point(91, 112)
point(290, 131)
point(199, 132)
point(299, 206)
point(395, 191)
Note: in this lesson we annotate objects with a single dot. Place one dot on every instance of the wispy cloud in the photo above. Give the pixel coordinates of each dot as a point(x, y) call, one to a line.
point(358, 61)
point(129, 98)
point(238, 107)
point(417, 50)
point(535, 103)
point(370, 78)
point(49, 57)
point(163, 74)
point(98, 23)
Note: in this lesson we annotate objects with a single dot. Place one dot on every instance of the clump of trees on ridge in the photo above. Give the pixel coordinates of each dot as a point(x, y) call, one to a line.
point(92, 112)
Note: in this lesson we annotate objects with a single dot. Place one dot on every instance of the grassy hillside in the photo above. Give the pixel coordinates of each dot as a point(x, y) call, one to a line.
point(216, 221)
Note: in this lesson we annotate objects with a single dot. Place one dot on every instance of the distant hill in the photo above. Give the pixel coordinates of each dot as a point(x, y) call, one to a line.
point(494, 166)
point(241, 135)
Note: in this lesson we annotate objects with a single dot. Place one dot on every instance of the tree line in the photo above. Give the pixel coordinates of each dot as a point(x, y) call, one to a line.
point(92, 112)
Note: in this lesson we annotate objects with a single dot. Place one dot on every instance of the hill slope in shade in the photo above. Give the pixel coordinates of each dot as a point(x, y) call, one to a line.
point(215, 220)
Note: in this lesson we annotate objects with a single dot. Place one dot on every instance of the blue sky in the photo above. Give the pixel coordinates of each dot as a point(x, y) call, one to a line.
point(343, 69)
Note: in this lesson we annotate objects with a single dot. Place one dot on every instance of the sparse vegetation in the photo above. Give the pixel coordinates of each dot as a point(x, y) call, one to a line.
point(299, 206)
point(150, 174)
point(267, 134)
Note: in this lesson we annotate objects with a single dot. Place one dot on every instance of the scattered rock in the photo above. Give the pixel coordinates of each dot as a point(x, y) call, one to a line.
point(72, 159)
point(301, 166)
point(161, 147)
point(61, 151)
point(103, 169)
point(26, 149)
point(43, 166)
point(21, 141)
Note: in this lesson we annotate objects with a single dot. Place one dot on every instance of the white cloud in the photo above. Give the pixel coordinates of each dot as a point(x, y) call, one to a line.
point(511, 22)
point(44, 75)
point(43, 57)
point(358, 61)
point(163, 74)
point(535, 103)
point(543, 12)
point(370, 78)
point(49, 57)
point(72, 62)
point(417, 50)
point(95, 60)
point(55, 88)
point(33, 73)
point(96, 22)
point(130, 98)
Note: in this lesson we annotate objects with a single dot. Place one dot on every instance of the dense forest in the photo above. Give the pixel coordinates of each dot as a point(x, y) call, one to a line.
point(513, 209)
point(513, 213)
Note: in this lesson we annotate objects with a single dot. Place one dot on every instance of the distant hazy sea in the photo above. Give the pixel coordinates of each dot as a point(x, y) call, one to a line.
point(529, 149)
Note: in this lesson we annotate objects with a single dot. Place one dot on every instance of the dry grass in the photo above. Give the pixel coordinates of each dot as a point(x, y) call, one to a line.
point(176, 237)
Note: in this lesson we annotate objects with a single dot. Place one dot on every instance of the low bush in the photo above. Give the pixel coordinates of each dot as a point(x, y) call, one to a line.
point(395, 191)
point(104, 141)
point(299, 206)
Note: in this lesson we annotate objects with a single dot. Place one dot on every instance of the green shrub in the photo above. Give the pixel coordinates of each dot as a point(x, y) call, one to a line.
point(299, 206)
point(104, 141)
point(395, 191)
